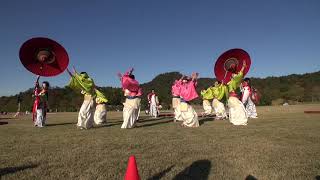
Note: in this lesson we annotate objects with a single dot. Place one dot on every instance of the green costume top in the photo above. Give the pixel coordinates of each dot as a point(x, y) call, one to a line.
point(235, 82)
point(207, 94)
point(86, 84)
point(101, 98)
point(83, 82)
point(219, 91)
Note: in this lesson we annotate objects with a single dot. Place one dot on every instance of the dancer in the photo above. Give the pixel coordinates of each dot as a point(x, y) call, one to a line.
point(83, 82)
point(154, 104)
point(41, 104)
point(219, 91)
point(207, 96)
point(19, 100)
point(36, 101)
point(187, 93)
point(132, 92)
point(247, 98)
point(237, 112)
point(100, 115)
point(175, 91)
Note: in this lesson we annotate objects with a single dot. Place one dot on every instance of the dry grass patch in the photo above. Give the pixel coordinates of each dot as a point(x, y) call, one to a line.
point(284, 143)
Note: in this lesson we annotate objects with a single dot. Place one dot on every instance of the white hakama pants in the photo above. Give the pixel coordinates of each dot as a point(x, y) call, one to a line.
point(86, 114)
point(40, 116)
point(131, 112)
point(237, 112)
point(100, 115)
point(177, 112)
point(207, 107)
point(219, 108)
point(251, 109)
point(188, 115)
point(153, 110)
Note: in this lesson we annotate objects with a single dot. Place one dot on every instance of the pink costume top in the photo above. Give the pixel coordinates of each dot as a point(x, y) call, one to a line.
point(175, 89)
point(132, 94)
point(188, 91)
point(131, 85)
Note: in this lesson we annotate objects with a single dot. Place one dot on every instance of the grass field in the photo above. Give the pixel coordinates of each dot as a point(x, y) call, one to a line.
point(284, 143)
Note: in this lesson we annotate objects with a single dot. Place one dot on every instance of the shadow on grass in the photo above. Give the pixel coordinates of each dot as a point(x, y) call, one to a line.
point(109, 124)
point(166, 115)
point(3, 123)
point(203, 120)
point(149, 119)
point(317, 178)
point(141, 122)
point(4, 118)
point(161, 174)
point(250, 177)
point(153, 124)
point(197, 170)
point(11, 170)
point(115, 121)
point(60, 124)
point(113, 124)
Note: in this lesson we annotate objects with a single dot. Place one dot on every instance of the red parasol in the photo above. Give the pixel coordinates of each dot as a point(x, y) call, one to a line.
point(43, 56)
point(231, 60)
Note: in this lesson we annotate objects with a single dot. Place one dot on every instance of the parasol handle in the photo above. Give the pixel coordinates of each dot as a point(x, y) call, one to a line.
point(225, 75)
point(74, 70)
point(69, 72)
point(38, 77)
point(36, 86)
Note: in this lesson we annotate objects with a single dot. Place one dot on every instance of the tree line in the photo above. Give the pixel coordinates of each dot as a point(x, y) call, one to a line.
point(274, 90)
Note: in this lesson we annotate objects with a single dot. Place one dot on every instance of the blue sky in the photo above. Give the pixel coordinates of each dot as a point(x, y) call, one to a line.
point(104, 37)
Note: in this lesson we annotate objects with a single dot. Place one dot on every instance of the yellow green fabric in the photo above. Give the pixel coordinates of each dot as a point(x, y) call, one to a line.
point(83, 82)
point(219, 91)
point(207, 94)
point(86, 84)
point(235, 82)
point(101, 98)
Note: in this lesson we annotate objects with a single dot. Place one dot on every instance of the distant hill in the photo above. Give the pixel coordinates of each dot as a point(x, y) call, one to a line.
point(162, 85)
point(275, 90)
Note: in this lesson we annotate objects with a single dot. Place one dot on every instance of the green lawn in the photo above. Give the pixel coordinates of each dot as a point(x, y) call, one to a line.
point(284, 143)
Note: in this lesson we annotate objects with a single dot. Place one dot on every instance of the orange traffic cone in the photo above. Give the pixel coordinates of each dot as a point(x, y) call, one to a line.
point(132, 170)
